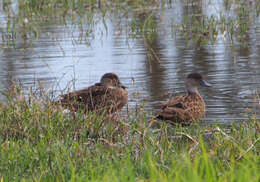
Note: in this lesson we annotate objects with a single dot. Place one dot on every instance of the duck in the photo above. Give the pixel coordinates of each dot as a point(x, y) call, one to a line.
point(107, 96)
point(185, 108)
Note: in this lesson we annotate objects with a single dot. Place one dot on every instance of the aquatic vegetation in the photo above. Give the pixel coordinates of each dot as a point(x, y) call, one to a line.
point(201, 30)
point(24, 19)
point(41, 143)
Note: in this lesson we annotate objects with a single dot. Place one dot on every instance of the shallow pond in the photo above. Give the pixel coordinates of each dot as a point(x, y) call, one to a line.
point(152, 69)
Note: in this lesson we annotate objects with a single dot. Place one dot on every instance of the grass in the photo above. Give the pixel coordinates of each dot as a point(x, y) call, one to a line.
point(39, 142)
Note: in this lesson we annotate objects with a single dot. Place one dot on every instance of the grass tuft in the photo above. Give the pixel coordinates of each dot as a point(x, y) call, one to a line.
point(41, 142)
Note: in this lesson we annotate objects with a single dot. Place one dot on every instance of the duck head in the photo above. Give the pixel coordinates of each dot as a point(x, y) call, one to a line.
point(193, 81)
point(111, 80)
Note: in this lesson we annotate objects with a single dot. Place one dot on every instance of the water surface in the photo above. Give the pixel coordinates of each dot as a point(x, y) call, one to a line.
point(61, 57)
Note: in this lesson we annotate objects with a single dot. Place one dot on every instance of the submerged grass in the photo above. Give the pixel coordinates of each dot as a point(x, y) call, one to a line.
point(136, 17)
point(39, 142)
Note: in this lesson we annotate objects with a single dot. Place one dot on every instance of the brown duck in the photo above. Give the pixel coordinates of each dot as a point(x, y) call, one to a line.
point(186, 108)
point(108, 96)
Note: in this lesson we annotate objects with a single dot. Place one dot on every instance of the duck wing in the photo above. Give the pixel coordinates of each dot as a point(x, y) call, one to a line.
point(95, 98)
point(174, 110)
point(177, 102)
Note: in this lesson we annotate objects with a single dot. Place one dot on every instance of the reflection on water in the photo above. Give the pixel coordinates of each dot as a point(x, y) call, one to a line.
point(151, 68)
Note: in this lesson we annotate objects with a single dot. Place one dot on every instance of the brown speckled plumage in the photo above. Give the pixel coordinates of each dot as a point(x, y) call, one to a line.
point(107, 96)
point(186, 108)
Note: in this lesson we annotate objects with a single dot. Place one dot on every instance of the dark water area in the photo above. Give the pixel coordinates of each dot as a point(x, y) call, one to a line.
point(61, 57)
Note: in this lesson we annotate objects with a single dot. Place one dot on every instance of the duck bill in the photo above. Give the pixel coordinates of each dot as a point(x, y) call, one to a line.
point(204, 83)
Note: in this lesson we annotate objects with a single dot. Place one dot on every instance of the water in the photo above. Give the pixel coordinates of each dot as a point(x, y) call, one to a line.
point(59, 58)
